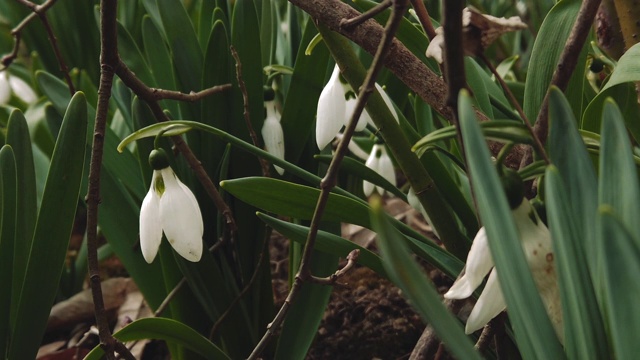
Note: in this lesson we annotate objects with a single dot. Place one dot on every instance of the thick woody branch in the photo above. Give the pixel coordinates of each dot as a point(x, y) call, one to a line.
point(402, 62)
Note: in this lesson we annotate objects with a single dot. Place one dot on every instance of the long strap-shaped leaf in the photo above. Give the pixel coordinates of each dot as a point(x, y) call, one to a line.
point(52, 232)
point(534, 333)
point(168, 330)
point(8, 211)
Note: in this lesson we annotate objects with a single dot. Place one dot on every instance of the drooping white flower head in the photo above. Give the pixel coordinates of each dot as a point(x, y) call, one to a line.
point(536, 243)
point(272, 133)
point(336, 105)
point(170, 207)
point(12, 84)
point(331, 109)
point(380, 162)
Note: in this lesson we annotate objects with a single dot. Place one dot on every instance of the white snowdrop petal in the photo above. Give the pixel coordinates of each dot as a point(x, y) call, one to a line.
point(181, 218)
point(489, 305)
point(150, 225)
point(274, 139)
point(479, 263)
point(364, 119)
point(385, 167)
point(331, 110)
point(436, 46)
point(5, 88)
point(371, 163)
point(22, 90)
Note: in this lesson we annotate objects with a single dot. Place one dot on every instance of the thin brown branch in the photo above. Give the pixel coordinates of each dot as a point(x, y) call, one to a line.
point(41, 12)
point(352, 259)
point(108, 11)
point(247, 116)
point(564, 69)
point(161, 94)
point(330, 179)
point(149, 96)
point(349, 23)
point(536, 141)
point(424, 18)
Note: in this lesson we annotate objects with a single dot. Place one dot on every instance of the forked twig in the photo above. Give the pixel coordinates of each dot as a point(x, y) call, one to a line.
point(330, 179)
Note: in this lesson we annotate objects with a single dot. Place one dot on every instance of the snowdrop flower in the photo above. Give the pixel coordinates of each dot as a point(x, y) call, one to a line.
point(380, 162)
point(272, 133)
point(536, 243)
point(170, 207)
point(336, 105)
point(12, 84)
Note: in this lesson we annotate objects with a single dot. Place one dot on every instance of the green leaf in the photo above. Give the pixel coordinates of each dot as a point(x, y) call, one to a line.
point(164, 329)
point(300, 106)
point(627, 70)
point(626, 97)
point(19, 140)
point(584, 335)
point(497, 130)
point(8, 215)
point(405, 273)
point(123, 166)
point(159, 60)
point(550, 43)
point(619, 283)
point(569, 155)
point(618, 185)
point(534, 332)
point(304, 317)
point(289, 199)
point(53, 229)
point(132, 56)
point(326, 242)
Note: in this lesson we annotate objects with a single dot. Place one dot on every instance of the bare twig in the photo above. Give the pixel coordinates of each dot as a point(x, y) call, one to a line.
point(41, 12)
point(108, 59)
point(161, 94)
point(349, 23)
point(536, 141)
point(329, 181)
point(352, 259)
point(564, 69)
point(150, 97)
point(425, 19)
point(247, 117)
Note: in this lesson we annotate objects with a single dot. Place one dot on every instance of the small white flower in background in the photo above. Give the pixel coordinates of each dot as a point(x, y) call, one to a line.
point(413, 200)
point(335, 107)
point(12, 84)
point(536, 243)
point(272, 133)
point(170, 207)
point(380, 162)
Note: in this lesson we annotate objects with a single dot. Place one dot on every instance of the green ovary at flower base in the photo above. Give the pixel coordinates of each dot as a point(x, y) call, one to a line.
point(536, 243)
point(169, 207)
